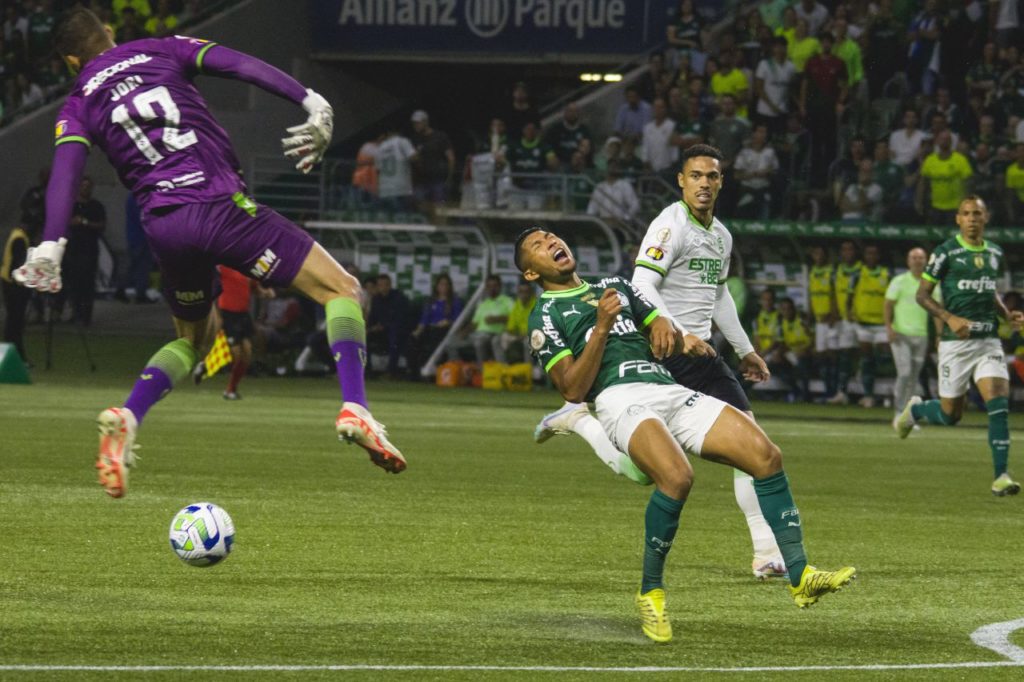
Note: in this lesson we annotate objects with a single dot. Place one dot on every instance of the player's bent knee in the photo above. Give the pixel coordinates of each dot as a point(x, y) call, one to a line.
point(677, 482)
point(341, 284)
point(769, 459)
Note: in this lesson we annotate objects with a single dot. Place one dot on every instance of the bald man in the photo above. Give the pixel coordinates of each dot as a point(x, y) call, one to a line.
point(906, 324)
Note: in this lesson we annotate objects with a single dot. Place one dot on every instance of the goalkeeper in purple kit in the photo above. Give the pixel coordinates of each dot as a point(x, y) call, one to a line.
point(137, 103)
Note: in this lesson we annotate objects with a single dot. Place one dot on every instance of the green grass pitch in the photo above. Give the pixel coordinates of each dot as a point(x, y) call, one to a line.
point(489, 550)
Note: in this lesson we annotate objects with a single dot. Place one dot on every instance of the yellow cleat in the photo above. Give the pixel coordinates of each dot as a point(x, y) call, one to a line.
point(653, 619)
point(1004, 485)
point(814, 583)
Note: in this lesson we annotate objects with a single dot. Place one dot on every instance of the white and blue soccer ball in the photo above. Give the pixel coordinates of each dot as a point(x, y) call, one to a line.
point(202, 534)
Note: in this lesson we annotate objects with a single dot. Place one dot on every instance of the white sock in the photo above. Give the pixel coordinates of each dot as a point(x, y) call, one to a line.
point(591, 431)
point(760, 532)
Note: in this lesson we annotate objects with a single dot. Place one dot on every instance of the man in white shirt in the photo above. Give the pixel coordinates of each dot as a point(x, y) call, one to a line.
point(681, 267)
point(755, 166)
point(905, 143)
point(773, 82)
point(862, 200)
point(814, 13)
point(394, 170)
point(615, 197)
point(657, 150)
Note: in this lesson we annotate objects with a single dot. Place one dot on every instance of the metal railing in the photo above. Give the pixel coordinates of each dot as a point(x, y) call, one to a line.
point(328, 193)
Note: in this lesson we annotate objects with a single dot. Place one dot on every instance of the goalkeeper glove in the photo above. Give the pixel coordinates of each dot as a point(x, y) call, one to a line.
point(41, 270)
point(310, 140)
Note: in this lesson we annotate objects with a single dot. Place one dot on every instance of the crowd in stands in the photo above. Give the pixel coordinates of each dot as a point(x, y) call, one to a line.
point(844, 110)
point(847, 110)
point(31, 74)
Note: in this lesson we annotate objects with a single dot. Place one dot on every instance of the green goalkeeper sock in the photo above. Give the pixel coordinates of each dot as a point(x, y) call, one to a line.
point(660, 525)
point(171, 364)
point(999, 433)
point(784, 519)
point(931, 412)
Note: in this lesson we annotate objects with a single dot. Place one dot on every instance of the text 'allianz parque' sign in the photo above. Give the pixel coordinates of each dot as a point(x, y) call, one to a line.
point(521, 27)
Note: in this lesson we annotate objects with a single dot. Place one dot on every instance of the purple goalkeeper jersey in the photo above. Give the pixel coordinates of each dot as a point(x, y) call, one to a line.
point(137, 103)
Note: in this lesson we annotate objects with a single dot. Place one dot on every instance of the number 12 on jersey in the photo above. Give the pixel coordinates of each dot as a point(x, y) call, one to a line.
point(173, 139)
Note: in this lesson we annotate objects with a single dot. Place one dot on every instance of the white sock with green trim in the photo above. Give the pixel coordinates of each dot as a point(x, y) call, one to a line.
point(590, 429)
point(761, 535)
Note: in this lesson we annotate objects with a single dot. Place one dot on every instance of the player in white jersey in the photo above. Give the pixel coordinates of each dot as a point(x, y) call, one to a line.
point(681, 267)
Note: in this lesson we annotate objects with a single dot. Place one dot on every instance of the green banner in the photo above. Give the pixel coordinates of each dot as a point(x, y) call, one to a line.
point(839, 230)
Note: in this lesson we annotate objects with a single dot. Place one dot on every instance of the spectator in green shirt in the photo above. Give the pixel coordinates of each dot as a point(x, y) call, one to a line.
point(517, 329)
point(1015, 185)
point(891, 178)
point(489, 320)
point(848, 50)
point(946, 173)
point(803, 46)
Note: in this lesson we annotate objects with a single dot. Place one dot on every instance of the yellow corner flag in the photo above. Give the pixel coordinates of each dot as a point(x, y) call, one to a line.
point(219, 356)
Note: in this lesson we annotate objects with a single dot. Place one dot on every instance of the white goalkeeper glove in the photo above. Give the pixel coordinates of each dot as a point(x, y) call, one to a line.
point(309, 141)
point(41, 270)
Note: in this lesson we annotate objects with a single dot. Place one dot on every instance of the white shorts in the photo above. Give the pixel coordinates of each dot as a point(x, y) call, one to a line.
point(847, 335)
point(872, 333)
point(826, 336)
point(687, 414)
point(964, 359)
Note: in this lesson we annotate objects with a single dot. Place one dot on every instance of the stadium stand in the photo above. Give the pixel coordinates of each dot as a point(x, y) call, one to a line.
point(839, 120)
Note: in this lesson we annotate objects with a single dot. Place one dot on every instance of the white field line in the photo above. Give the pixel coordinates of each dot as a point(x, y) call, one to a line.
point(996, 637)
point(503, 668)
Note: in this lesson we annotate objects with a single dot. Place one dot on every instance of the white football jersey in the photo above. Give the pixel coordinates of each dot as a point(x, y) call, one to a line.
point(394, 170)
point(692, 260)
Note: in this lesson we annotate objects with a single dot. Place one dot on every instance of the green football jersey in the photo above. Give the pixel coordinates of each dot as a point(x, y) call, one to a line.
point(562, 321)
point(967, 276)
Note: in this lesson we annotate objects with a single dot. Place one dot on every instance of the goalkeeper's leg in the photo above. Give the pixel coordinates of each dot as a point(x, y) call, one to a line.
point(327, 283)
point(118, 425)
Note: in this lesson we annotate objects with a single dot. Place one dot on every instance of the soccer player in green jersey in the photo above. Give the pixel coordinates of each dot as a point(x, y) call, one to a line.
point(603, 342)
point(967, 268)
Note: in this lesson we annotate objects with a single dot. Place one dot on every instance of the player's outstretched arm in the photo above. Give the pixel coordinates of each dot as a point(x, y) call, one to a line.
point(41, 270)
point(306, 142)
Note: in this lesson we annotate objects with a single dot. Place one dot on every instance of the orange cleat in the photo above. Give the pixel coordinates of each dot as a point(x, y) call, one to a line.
point(117, 449)
point(356, 425)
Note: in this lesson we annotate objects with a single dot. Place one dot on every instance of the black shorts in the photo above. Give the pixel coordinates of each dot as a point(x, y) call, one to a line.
point(237, 326)
point(710, 376)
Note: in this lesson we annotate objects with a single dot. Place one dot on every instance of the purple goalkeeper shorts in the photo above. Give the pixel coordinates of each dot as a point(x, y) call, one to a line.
point(190, 240)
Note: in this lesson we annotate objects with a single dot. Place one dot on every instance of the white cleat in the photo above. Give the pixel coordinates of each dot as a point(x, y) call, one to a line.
point(356, 425)
point(117, 449)
point(559, 422)
point(766, 569)
point(904, 422)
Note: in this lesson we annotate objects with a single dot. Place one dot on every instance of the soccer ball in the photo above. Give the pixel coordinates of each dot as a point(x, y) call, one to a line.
point(202, 534)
